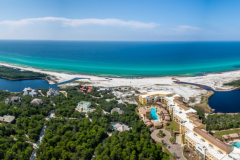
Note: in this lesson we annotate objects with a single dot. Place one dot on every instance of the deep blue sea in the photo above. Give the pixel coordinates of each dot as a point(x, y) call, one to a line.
point(123, 58)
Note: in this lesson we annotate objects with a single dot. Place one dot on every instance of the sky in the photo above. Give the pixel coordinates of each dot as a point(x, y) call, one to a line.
point(120, 20)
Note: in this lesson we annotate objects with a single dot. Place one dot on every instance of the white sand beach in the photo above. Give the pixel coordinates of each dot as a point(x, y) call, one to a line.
point(215, 80)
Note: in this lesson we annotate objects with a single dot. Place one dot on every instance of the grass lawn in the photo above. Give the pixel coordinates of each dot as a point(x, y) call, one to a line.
point(183, 139)
point(218, 134)
point(173, 126)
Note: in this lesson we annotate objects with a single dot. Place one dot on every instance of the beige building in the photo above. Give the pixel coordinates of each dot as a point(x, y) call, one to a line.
point(144, 113)
point(153, 97)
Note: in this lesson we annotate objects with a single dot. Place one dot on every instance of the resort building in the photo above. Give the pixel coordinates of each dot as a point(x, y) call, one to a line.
point(118, 110)
point(144, 113)
point(29, 91)
point(119, 126)
point(7, 119)
point(84, 106)
point(52, 92)
point(208, 147)
point(153, 97)
point(231, 137)
point(196, 136)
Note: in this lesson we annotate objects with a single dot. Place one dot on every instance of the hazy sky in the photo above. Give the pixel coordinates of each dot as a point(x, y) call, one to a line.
point(123, 20)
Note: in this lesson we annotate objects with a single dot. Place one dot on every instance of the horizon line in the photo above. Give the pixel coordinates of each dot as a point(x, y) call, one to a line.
point(122, 40)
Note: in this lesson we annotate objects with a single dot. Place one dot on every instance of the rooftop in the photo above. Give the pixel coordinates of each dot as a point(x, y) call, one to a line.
point(212, 140)
point(144, 110)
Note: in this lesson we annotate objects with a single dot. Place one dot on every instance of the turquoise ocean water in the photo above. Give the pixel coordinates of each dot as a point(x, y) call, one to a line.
point(123, 58)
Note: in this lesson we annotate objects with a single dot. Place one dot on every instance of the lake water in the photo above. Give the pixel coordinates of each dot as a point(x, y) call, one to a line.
point(222, 101)
point(18, 86)
point(123, 58)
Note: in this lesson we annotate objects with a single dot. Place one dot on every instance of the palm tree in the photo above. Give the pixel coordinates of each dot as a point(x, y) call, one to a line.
point(174, 155)
point(162, 141)
point(184, 148)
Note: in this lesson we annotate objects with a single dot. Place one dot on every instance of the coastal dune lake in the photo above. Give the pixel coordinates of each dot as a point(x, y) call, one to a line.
point(19, 85)
point(123, 58)
point(222, 101)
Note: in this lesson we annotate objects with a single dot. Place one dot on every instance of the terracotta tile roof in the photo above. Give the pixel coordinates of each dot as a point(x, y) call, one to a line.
point(178, 102)
point(234, 135)
point(193, 118)
point(212, 140)
point(190, 114)
point(146, 120)
point(225, 136)
point(184, 107)
point(159, 103)
point(144, 110)
point(165, 122)
point(165, 111)
point(167, 118)
point(157, 124)
point(196, 123)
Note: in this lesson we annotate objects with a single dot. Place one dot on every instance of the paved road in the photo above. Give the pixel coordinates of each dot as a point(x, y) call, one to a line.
point(40, 137)
point(173, 148)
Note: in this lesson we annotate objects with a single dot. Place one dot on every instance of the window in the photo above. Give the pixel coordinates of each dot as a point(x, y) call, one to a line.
point(195, 134)
point(210, 146)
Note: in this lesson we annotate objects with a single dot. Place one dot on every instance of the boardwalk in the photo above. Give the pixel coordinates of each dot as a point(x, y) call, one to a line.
point(173, 148)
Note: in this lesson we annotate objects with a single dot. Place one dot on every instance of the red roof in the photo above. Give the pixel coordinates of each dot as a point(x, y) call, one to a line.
point(90, 87)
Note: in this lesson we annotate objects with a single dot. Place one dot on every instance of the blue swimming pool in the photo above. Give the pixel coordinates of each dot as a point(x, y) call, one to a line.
point(154, 115)
point(236, 144)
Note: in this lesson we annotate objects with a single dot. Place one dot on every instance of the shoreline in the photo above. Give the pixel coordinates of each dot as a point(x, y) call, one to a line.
point(30, 68)
point(64, 76)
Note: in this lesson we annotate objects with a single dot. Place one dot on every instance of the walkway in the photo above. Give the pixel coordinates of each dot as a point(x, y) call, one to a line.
point(173, 148)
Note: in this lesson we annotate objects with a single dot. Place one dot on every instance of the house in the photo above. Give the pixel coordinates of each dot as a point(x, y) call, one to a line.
point(117, 110)
point(52, 92)
point(89, 89)
point(36, 101)
point(83, 89)
point(8, 101)
point(29, 91)
point(16, 99)
point(119, 126)
point(103, 89)
point(84, 106)
point(13, 99)
point(7, 119)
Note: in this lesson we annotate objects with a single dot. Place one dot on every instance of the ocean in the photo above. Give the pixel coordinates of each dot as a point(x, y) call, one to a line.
point(124, 59)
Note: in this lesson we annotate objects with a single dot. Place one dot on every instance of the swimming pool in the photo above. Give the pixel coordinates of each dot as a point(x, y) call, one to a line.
point(154, 115)
point(235, 144)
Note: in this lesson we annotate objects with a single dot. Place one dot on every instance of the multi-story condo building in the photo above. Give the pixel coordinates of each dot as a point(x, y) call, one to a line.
point(196, 136)
point(153, 97)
